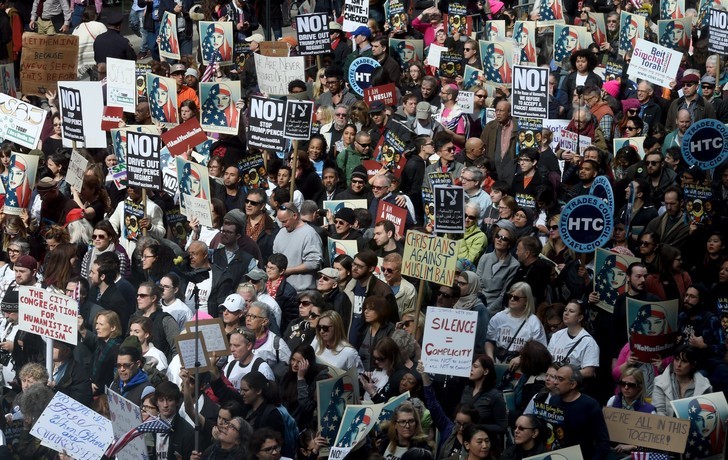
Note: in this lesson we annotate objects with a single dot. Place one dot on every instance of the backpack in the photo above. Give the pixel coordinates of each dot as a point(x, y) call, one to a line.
point(155, 377)
point(279, 367)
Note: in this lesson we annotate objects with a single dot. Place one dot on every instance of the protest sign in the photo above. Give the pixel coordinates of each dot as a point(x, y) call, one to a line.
point(162, 98)
point(298, 121)
point(675, 33)
point(708, 418)
point(125, 416)
point(495, 30)
point(654, 63)
point(275, 73)
point(213, 330)
point(396, 16)
point(71, 113)
point(76, 170)
point(133, 213)
point(20, 122)
point(448, 341)
point(698, 204)
point(192, 351)
point(572, 142)
point(111, 117)
point(216, 42)
point(47, 314)
point(312, 33)
point(141, 70)
point(332, 396)
point(652, 328)
point(339, 247)
point(167, 37)
point(497, 59)
point(718, 31)
point(430, 258)
point(457, 20)
point(394, 214)
point(449, 209)
point(451, 64)
point(275, 49)
point(219, 111)
point(385, 93)
point(673, 9)
point(184, 136)
point(21, 178)
point(631, 29)
point(549, 12)
point(356, 423)
point(529, 133)
point(356, 14)
point(586, 223)
point(177, 226)
point(410, 51)
point(360, 74)
point(142, 160)
point(46, 60)
point(636, 143)
point(433, 54)
point(197, 208)
point(611, 276)
point(602, 188)
point(646, 430)
point(254, 172)
point(89, 106)
point(68, 426)
point(530, 92)
point(266, 124)
point(466, 101)
point(524, 34)
point(390, 153)
point(193, 180)
point(121, 84)
point(705, 143)
point(568, 453)
point(7, 79)
point(567, 39)
point(597, 27)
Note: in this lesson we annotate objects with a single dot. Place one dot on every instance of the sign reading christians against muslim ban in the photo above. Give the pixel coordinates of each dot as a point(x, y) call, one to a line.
point(430, 258)
point(448, 341)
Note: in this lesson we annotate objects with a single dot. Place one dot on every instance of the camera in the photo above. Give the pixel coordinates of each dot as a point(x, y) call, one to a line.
point(5, 357)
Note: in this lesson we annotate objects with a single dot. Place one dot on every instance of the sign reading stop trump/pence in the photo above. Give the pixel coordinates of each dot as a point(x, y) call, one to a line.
point(47, 314)
point(449, 340)
point(430, 258)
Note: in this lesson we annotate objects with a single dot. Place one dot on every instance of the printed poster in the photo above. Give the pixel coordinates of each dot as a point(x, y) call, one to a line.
point(529, 133)
point(162, 98)
point(339, 247)
point(254, 175)
point(20, 122)
point(396, 14)
point(634, 142)
point(220, 113)
point(7, 79)
point(654, 63)
point(597, 27)
point(549, 12)
point(652, 328)
point(631, 28)
point(410, 51)
point(497, 62)
point(457, 19)
point(141, 70)
point(611, 276)
point(699, 204)
point(708, 415)
point(133, 213)
point(675, 33)
point(193, 180)
point(168, 39)
point(216, 43)
point(568, 39)
point(333, 396)
point(672, 9)
point(21, 181)
point(524, 34)
point(472, 77)
point(495, 30)
point(357, 422)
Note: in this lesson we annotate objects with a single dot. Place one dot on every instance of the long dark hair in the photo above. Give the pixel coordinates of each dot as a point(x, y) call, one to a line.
point(289, 382)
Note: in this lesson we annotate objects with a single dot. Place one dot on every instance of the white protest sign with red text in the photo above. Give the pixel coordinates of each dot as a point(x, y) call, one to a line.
point(47, 314)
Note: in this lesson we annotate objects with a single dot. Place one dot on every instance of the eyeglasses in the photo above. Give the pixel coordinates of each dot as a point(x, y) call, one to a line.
point(143, 296)
point(145, 257)
point(645, 243)
point(252, 316)
point(305, 303)
point(164, 286)
point(469, 217)
point(630, 385)
point(124, 366)
point(515, 297)
point(410, 422)
point(480, 95)
point(340, 222)
point(13, 251)
point(387, 270)
point(469, 179)
point(553, 228)
point(99, 237)
point(340, 114)
point(253, 203)
point(444, 294)
point(323, 328)
point(502, 238)
point(149, 409)
point(522, 428)
point(271, 449)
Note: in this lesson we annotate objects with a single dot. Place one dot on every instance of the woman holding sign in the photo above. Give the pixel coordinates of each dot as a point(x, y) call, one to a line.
point(631, 397)
point(680, 380)
point(482, 394)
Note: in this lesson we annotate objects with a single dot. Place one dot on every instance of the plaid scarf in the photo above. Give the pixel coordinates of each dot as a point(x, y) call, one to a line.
point(105, 350)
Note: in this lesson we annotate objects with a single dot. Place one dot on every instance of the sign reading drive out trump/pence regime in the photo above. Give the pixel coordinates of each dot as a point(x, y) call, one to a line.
point(430, 258)
point(49, 315)
point(448, 341)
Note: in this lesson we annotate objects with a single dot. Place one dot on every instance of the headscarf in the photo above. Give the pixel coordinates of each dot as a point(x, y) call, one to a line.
point(469, 298)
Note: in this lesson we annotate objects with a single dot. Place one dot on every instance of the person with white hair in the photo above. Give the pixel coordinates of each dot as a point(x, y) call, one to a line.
point(273, 349)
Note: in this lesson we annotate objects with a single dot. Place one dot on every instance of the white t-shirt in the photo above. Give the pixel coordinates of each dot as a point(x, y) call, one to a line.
point(203, 293)
point(157, 354)
point(234, 371)
point(267, 350)
point(179, 311)
point(585, 354)
point(345, 358)
point(502, 326)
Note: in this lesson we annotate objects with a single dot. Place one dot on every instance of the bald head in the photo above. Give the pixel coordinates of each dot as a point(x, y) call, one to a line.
point(474, 148)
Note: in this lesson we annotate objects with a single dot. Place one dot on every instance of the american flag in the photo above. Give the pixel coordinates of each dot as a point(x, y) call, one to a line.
point(153, 425)
point(209, 70)
point(335, 412)
point(649, 456)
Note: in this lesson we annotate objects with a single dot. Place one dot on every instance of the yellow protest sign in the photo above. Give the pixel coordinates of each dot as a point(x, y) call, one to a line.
point(430, 258)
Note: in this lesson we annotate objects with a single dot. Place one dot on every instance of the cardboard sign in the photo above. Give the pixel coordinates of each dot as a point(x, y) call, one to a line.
point(312, 33)
point(180, 138)
point(197, 208)
point(275, 73)
point(20, 122)
point(46, 60)
point(586, 223)
point(385, 93)
point(466, 101)
point(187, 344)
point(448, 341)
point(530, 92)
point(298, 121)
point(449, 209)
point(394, 214)
point(49, 315)
point(646, 430)
point(125, 416)
point(652, 328)
point(76, 170)
point(275, 49)
point(88, 108)
point(213, 330)
point(430, 258)
point(360, 74)
point(68, 426)
point(121, 84)
point(111, 118)
point(142, 160)
point(568, 453)
point(718, 32)
point(71, 113)
point(654, 63)
point(356, 14)
point(573, 142)
point(705, 143)
point(266, 123)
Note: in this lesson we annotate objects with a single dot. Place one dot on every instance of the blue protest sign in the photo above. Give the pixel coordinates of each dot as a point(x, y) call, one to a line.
point(360, 74)
point(586, 223)
point(704, 144)
point(602, 188)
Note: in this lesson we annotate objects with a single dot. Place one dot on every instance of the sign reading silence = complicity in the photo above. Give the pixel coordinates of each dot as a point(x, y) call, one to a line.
point(704, 144)
point(586, 223)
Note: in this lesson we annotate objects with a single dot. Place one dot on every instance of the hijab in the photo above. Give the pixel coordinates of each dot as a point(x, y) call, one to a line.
point(469, 298)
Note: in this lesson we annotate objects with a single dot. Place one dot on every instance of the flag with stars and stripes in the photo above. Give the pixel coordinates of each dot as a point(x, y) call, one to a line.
point(153, 425)
point(209, 71)
point(162, 97)
point(649, 456)
point(341, 392)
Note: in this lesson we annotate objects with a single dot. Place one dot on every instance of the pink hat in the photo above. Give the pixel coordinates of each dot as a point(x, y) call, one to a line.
point(611, 87)
point(630, 104)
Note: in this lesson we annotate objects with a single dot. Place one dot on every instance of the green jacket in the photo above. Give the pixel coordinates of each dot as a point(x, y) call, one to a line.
point(349, 159)
point(473, 243)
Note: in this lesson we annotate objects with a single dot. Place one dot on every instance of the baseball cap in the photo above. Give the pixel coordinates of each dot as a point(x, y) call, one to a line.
point(256, 274)
point(73, 215)
point(26, 261)
point(708, 80)
point(362, 30)
point(177, 68)
point(233, 302)
point(192, 73)
point(331, 273)
point(333, 25)
point(376, 106)
point(255, 38)
point(424, 110)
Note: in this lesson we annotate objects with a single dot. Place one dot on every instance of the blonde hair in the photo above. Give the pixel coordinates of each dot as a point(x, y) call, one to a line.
point(113, 320)
point(339, 332)
point(525, 289)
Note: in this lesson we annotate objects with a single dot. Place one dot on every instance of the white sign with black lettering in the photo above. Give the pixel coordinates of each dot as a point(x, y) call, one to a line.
point(299, 115)
point(530, 92)
point(266, 123)
point(313, 34)
point(447, 344)
point(466, 101)
point(142, 160)
point(82, 97)
point(356, 14)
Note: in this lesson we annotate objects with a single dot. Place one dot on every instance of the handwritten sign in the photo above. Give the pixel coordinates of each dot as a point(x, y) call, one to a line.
point(125, 416)
point(76, 170)
point(186, 348)
point(121, 83)
point(430, 258)
point(275, 73)
point(394, 214)
point(198, 208)
point(47, 314)
point(356, 14)
point(213, 331)
point(68, 426)
point(20, 122)
point(46, 60)
point(448, 341)
point(646, 430)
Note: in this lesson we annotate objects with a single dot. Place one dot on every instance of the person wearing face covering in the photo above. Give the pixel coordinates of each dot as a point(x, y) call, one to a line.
point(469, 284)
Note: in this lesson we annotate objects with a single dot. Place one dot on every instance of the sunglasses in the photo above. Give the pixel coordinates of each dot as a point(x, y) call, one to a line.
point(501, 237)
point(325, 278)
point(652, 163)
point(124, 365)
point(553, 228)
point(387, 270)
point(514, 297)
point(631, 128)
point(707, 86)
point(253, 203)
point(624, 384)
point(690, 84)
point(645, 243)
point(313, 315)
point(305, 303)
point(323, 328)
point(444, 294)
point(469, 217)
point(143, 296)
point(99, 237)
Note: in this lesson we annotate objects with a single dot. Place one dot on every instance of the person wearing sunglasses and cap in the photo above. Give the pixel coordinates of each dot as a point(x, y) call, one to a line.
point(690, 100)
